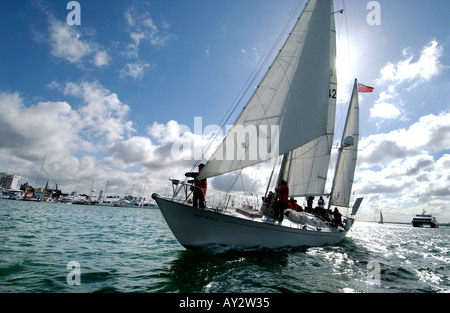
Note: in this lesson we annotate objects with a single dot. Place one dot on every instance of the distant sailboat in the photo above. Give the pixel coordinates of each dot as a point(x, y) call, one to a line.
point(298, 94)
point(381, 217)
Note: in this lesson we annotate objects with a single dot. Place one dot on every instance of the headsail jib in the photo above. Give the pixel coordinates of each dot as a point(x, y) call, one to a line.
point(346, 166)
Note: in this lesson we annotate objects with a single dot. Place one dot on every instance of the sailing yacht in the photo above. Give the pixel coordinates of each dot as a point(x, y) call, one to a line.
point(298, 95)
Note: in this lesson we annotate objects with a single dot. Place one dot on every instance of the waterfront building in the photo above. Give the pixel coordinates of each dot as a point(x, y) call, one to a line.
point(10, 181)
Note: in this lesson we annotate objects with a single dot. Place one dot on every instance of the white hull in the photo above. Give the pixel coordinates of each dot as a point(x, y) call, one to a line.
point(197, 227)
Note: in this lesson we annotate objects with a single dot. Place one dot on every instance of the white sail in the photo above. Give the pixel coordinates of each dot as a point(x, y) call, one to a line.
point(308, 166)
point(345, 171)
point(290, 108)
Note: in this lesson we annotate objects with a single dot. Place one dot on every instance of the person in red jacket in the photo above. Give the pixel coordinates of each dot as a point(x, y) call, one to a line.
point(283, 199)
point(200, 187)
point(293, 205)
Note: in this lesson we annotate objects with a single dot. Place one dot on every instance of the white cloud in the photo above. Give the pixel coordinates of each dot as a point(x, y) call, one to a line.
point(135, 70)
point(403, 188)
point(142, 28)
point(404, 76)
point(167, 133)
point(47, 124)
point(102, 112)
point(59, 126)
point(184, 144)
point(30, 132)
point(406, 169)
point(135, 151)
point(427, 66)
point(102, 59)
point(384, 110)
point(76, 139)
point(66, 43)
point(430, 133)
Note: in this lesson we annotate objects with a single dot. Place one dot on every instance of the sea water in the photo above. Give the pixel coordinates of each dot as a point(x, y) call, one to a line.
point(54, 248)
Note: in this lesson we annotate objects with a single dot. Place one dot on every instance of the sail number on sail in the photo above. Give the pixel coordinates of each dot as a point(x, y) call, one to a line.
point(333, 93)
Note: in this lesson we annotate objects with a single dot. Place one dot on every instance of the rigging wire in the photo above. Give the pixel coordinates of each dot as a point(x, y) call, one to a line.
point(343, 29)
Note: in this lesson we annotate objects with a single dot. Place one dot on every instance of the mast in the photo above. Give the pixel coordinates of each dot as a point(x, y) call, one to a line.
point(283, 175)
point(309, 163)
point(40, 172)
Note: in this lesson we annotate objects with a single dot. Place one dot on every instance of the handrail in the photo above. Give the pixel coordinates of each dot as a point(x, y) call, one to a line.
point(217, 200)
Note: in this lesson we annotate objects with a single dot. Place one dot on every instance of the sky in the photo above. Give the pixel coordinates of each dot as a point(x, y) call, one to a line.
point(106, 101)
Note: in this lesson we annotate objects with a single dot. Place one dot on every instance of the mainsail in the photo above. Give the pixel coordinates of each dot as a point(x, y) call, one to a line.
point(307, 169)
point(291, 107)
point(345, 171)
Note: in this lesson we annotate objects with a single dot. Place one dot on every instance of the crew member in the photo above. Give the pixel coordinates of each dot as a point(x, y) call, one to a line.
point(283, 199)
point(200, 186)
point(337, 218)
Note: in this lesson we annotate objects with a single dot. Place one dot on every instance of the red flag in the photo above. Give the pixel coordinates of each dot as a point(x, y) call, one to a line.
point(364, 88)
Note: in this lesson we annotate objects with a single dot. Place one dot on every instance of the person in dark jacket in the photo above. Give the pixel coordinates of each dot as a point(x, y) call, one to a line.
point(283, 199)
point(200, 187)
point(337, 221)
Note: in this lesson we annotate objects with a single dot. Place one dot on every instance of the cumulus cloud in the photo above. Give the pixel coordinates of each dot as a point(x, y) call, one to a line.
point(404, 187)
point(135, 151)
point(67, 43)
point(101, 58)
point(405, 75)
point(197, 144)
point(430, 133)
point(384, 109)
point(26, 128)
point(102, 112)
point(427, 66)
point(31, 132)
point(406, 169)
point(73, 135)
